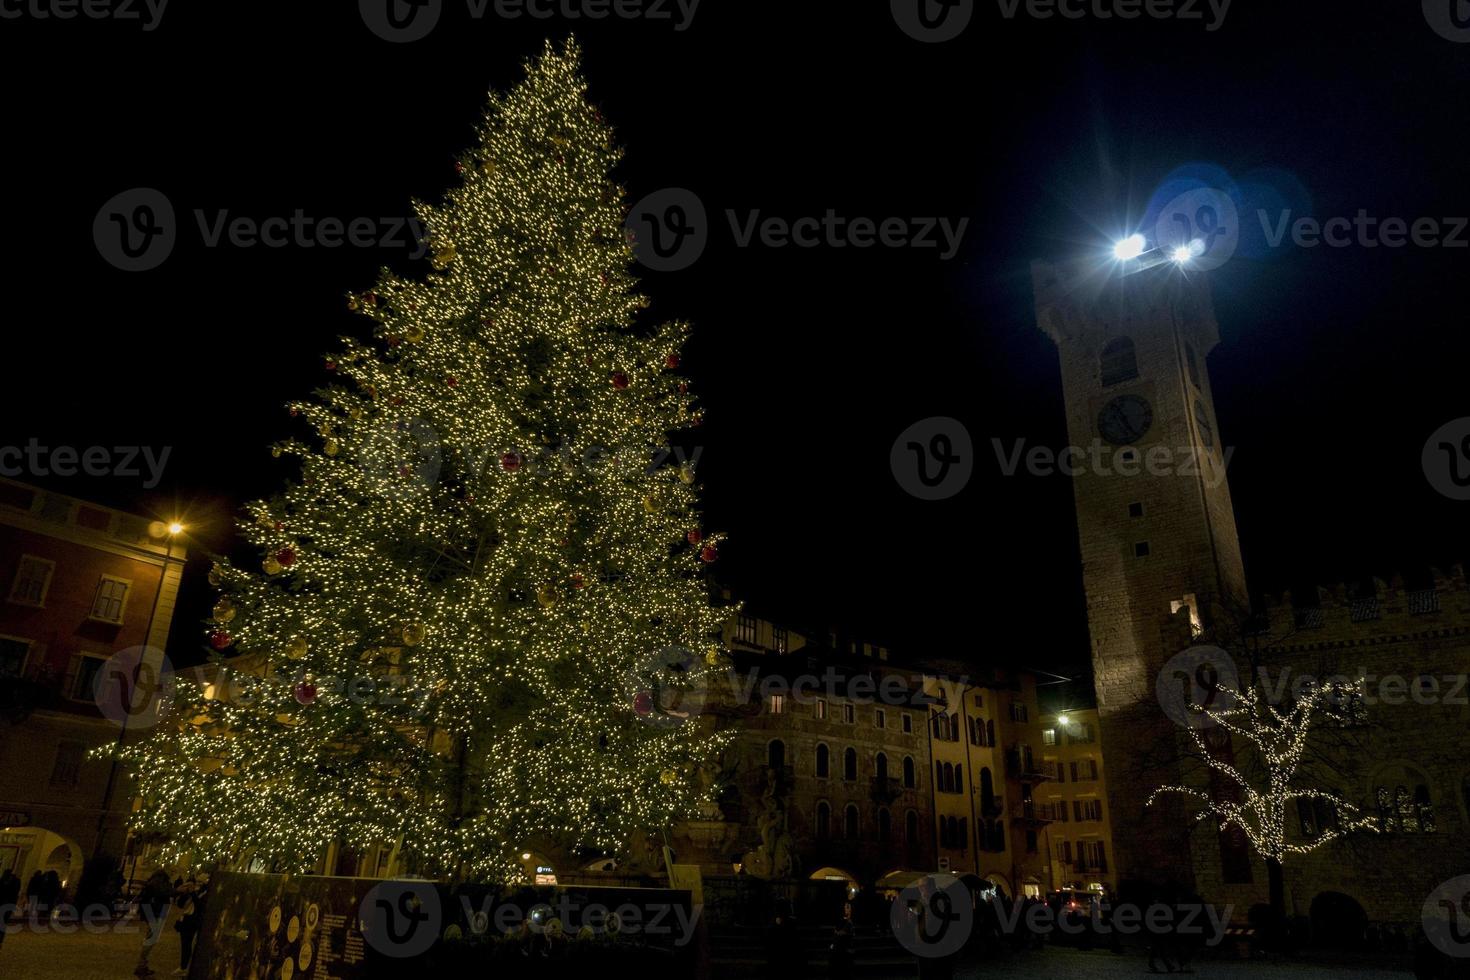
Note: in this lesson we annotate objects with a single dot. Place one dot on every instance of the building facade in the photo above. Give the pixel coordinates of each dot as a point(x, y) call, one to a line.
point(1162, 571)
point(81, 583)
point(1074, 801)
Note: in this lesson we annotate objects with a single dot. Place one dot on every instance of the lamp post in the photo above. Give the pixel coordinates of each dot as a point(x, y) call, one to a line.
point(171, 531)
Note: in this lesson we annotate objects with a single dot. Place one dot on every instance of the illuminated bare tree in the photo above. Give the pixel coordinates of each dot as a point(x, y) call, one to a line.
point(1280, 737)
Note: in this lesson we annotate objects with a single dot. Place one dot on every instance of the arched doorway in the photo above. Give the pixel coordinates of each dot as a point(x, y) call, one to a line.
point(1338, 921)
point(28, 851)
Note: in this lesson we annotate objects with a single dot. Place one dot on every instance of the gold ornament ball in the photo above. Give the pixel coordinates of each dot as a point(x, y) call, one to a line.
point(686, 474)
point(413, 634)
point(271, 566)
point(224, 611)
point(331, 448)
point(650, 504)
point(668, 776)
point(296, 649)
point(546, 596)
point(414, 334)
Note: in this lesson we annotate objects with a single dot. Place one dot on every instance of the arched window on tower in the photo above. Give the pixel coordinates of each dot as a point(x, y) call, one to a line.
point(824, 820)
point(823, 760)
point(959, 778)
point(880, 767)
point(910, 780)
point(776, 754)
point(1119, 362)
point(911, 827)
point(850, 822)
point(849, 764)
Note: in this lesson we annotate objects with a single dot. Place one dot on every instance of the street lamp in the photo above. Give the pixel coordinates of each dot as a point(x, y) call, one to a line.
point(172, 530)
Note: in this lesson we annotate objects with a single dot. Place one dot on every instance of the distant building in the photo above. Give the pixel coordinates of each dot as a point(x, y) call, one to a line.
point(1074, 801)
point(78, 583)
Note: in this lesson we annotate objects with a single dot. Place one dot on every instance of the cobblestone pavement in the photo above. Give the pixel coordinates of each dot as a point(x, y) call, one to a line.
point(110, 955)
point(1102, 965)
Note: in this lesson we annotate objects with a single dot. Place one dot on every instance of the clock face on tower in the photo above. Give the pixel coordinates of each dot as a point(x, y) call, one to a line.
point(1125, 420)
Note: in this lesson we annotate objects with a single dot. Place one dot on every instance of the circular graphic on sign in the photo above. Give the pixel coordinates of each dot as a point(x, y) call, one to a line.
point(304, 960)
point(313, 916)
point(479, 922)
point(1445, 912)
point(293, 929)
point(1194, 679)
point(401, 919)
point(275, 923)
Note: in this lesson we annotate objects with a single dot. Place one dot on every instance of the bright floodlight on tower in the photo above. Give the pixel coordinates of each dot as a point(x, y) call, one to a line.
point(1183, 253)
point(1129, 248)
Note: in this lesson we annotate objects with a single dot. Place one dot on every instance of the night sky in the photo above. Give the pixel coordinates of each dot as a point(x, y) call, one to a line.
point(1051, 136)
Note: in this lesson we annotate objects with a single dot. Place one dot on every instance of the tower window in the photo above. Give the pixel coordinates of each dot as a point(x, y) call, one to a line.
point(1119, 362)
point(1140, 550)
point(1135, 510)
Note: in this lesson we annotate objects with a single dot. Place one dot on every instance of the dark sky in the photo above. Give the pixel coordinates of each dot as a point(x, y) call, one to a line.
point(1050, 136)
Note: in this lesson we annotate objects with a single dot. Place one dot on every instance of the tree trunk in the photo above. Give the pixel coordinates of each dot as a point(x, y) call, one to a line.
point(1276, 877)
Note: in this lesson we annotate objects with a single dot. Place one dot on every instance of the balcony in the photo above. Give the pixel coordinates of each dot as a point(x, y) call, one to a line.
point(1025, 768)
point(1029, 811)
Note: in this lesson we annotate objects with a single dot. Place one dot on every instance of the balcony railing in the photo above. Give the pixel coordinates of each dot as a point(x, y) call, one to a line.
point(1025, 769)
point(1363, 610)
point(1031, 812)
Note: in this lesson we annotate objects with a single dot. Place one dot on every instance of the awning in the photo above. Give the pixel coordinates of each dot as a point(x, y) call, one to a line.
point(900, 879)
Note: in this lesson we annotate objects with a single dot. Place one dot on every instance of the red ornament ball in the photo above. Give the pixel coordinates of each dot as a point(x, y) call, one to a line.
point(683, 387)
point(510, 462)
point(219, 639)
point(672, 362)
point(331, 365)
point(286, 557)
point(695, 536)
point(643, 703)
point(708, 553)
point(305, 692)
point(619, 380)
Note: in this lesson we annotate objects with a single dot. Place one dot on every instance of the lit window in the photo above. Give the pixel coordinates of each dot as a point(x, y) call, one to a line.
point(111, 599)
point(849, 713)
point(1049, 737)
point(745, 629)
point(820, 711)
point(32, 579)
point(776, 704)
point(880, 719)
point(778, 639)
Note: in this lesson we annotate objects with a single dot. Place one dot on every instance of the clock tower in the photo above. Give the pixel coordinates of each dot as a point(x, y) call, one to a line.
point(1160, 553)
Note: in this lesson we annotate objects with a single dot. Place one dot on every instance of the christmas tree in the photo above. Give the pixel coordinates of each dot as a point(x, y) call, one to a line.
point(491, 562)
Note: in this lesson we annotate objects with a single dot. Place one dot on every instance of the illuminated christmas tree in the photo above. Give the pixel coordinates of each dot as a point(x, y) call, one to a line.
point(492, 560)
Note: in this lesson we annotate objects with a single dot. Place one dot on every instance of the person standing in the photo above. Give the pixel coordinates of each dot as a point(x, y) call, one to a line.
point(9, 896)
point(154, 901)
point(190, 903)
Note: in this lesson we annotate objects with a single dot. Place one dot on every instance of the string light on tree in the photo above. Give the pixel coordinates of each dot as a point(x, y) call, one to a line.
point(439, 626)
